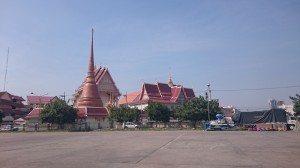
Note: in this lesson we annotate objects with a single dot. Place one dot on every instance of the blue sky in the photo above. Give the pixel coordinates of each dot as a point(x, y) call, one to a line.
point(234, 44)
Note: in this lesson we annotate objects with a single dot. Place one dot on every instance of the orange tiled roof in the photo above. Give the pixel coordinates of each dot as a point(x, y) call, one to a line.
point(130, 97)
point(34, 114)
point(40, 99)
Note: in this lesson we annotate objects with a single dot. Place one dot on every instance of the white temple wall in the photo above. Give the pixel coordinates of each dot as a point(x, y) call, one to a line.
point(94, 123)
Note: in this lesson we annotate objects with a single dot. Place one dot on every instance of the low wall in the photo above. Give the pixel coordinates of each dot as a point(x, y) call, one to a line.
point(297, 127)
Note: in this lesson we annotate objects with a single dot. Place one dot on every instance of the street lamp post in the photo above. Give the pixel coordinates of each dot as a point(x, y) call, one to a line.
point(208, 99)
point(126, 99)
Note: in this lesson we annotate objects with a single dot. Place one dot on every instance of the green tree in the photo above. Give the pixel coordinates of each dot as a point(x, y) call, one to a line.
point(196, 110)
point(158, 112)
point(132, 115)
point(115, 114)
point(58, 112)
point(124, 113)
point(296, 101)
point(1, 116)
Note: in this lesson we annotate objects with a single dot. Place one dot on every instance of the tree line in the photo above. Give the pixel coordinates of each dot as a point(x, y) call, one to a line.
point(196, 109)
point(193, 110)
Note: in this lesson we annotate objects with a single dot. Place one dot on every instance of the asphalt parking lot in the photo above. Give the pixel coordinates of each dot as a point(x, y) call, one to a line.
point(150, 149)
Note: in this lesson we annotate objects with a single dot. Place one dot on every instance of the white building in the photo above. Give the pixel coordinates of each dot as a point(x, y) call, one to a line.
point(287, 107)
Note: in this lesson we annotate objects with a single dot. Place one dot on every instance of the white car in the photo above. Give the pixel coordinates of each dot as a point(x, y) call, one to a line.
point(130, 125)
point(8, 128)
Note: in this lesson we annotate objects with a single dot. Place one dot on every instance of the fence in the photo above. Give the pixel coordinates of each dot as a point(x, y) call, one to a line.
point(84, 126)
point(174, 124)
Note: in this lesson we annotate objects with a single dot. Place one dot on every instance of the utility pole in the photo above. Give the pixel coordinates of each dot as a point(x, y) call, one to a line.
point(126, 99)
point(64, 96)
point(208, 99)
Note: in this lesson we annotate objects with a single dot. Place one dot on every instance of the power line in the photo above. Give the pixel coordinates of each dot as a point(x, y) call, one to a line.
point(268, 88)
point(253, 89)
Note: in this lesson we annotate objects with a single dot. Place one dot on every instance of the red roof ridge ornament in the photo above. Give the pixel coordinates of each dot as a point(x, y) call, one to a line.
point(90, 96)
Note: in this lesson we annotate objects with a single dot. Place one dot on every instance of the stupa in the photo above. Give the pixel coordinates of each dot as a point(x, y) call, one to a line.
point(90, 106)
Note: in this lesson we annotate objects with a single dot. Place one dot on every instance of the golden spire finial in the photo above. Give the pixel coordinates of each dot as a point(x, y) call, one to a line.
point(170, 82)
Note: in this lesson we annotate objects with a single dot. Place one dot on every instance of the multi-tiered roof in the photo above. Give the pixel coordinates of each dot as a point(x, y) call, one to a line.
point(159, 92)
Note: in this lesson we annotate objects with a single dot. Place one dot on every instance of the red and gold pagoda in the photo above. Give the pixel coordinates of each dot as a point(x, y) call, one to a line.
point(90, 103)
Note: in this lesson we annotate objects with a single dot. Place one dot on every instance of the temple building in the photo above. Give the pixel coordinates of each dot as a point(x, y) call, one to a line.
point(166, 93)
point(95, 95)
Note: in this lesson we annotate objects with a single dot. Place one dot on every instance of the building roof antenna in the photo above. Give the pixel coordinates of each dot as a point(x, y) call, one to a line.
point(6, 69)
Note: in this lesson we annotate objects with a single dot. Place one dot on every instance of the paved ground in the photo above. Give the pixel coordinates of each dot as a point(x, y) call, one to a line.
point(150, 149)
